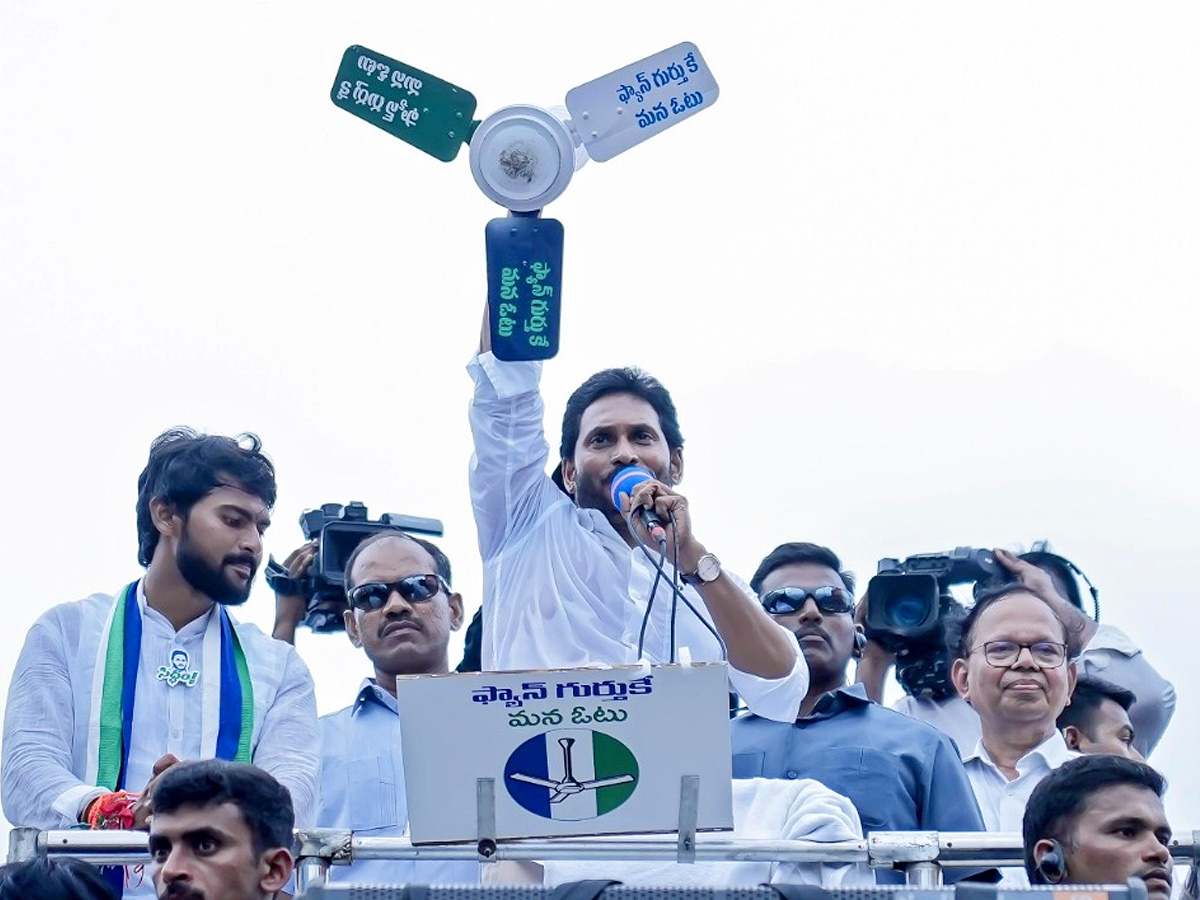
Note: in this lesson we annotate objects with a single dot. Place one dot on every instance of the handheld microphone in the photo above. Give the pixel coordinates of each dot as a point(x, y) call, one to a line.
point(625, 481)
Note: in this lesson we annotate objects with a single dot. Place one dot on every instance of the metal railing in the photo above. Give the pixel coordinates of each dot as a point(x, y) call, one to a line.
point(965, 891)
point(922, 855)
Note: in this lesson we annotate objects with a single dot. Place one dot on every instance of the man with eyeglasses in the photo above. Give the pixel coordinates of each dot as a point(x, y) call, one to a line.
point(402, 610)
point(1012, 667)
point(1104, 651)
point(901, 774)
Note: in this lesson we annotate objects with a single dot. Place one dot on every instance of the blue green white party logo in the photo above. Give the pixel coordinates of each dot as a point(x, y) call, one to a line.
point(571, 774)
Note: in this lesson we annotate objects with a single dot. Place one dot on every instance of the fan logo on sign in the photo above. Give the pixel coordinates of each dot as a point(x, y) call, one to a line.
point(571, 774)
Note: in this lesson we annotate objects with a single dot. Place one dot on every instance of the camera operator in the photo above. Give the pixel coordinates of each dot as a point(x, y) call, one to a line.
point(570, 580)
point(1103, 651)
point(290, 609)
point(402, 610)
point(1099, 820)
point(901, 774)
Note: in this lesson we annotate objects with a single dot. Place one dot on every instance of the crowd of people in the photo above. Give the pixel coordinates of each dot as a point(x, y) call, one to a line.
point(154, 708)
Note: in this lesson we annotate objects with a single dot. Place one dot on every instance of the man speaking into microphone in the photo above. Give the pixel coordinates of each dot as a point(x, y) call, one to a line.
point(570, 578)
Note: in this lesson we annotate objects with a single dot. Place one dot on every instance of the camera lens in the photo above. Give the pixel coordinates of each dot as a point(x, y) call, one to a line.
point(906, 610)
point(905, 606)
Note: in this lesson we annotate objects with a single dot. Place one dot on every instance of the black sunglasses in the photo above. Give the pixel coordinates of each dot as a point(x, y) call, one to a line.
point(414, 588)
point(829, 599)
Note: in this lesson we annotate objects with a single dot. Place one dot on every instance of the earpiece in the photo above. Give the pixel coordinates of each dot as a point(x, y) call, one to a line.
point(1052, 867)
point(860, 643)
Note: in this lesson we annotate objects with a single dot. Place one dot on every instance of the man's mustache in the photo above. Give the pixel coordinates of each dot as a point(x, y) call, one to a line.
point(177, 890)
point(809, 632)
point(241, 559)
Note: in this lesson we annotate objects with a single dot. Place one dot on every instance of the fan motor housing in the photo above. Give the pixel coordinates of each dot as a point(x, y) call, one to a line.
point(523, 157)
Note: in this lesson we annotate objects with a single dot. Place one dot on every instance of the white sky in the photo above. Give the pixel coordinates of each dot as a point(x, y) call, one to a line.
point(925, 275)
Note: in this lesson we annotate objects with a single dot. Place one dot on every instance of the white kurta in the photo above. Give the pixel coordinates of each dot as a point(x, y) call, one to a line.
point(561, 587)
point(46, 722)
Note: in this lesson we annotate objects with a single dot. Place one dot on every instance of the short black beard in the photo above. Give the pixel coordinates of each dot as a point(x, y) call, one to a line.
point(586, 498)
point(601, 498)
point(210, 582)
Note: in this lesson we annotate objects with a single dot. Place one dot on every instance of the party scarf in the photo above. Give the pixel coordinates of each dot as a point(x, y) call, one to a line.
point(227, 720)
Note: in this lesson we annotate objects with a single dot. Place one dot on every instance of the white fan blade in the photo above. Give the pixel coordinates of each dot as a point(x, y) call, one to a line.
point(623, 108)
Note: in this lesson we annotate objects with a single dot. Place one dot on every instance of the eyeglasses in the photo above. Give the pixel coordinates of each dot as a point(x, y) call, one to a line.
point(414, 588)
point(1002, 654)
point(829, 599)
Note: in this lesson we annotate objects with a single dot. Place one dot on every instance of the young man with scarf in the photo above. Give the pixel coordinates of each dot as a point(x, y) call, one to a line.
point(110, 691)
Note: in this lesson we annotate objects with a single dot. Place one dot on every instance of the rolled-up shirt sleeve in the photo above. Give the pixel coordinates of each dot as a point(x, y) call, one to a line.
point(777, 699)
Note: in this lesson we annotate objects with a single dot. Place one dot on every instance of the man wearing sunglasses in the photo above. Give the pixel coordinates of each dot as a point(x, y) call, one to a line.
point(401, 613)
point(571, 580)
point(1012, 667)
point(901, 774)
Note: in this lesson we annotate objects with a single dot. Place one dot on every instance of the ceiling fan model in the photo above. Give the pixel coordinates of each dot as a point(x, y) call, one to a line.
point(523, 157)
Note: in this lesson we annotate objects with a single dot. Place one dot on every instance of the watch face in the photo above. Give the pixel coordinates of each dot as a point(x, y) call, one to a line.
point(708, 568)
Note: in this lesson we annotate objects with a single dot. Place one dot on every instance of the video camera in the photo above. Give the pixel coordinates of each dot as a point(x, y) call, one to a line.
point(338, 530)
point(911, 611)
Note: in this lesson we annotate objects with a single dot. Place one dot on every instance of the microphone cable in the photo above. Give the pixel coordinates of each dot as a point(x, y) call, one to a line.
point(659, 574)
point(680, 595)
point(676, 593)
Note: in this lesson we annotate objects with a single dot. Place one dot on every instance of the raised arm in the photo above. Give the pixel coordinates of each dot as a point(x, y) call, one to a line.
point(508, 468)
point(1080, 627)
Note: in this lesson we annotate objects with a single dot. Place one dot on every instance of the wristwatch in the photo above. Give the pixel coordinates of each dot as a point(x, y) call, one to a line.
point(708, 567)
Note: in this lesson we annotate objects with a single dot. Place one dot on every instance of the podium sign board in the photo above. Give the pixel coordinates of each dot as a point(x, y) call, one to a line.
point(570, 751)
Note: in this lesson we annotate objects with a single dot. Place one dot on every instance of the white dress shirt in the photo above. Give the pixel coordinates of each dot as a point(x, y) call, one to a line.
point(1001, 801)
point(561, 588)
point(1110, 655)
point(763, 809)
point(46, 722)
